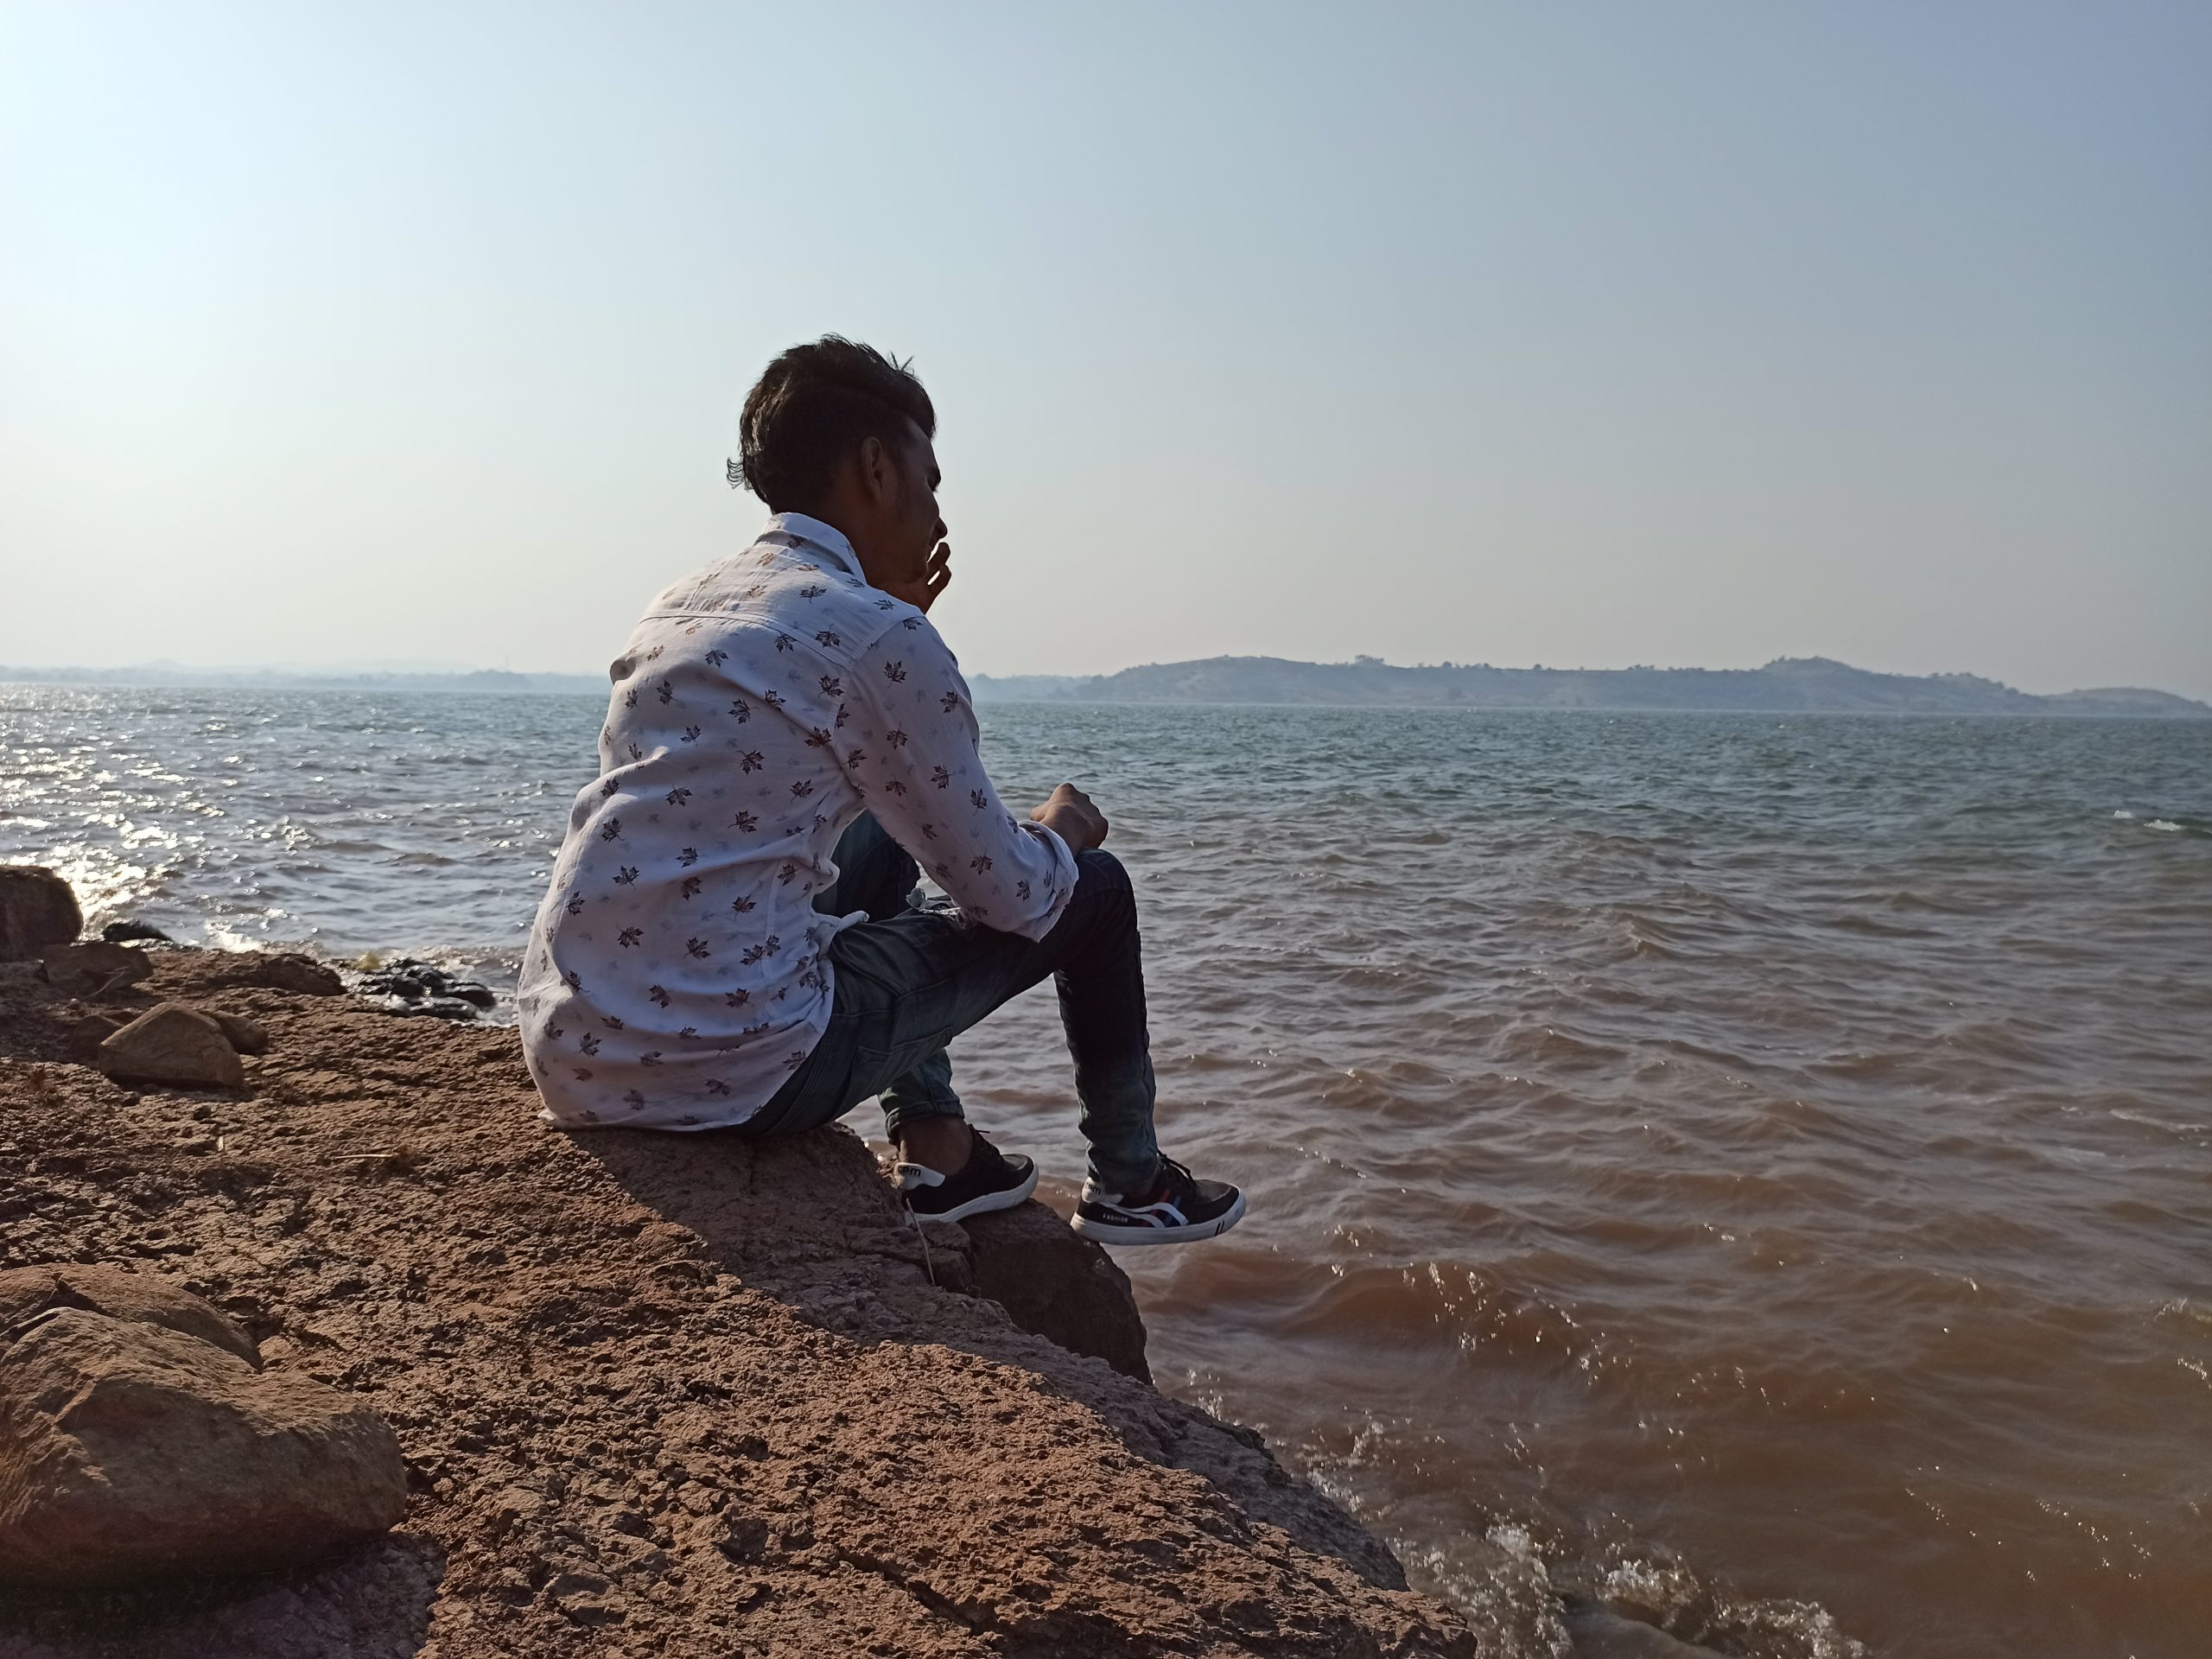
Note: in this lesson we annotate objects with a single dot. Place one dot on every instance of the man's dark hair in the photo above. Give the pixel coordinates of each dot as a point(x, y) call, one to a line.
point(811, 407)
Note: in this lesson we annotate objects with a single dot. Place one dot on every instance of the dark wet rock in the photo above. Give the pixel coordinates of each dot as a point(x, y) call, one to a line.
point(25, 1294)
point(37, 909)
point(173, 1043)
point(134, 932)
point(128, 1449)
point(442, 1007)
point(1059, 1284)
point(424, 987)
point(94, 968)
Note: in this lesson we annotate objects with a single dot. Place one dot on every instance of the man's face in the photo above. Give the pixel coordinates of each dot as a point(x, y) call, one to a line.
point(918, 527)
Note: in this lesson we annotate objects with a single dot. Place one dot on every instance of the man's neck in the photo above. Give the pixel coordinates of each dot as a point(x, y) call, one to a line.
point(842, 520)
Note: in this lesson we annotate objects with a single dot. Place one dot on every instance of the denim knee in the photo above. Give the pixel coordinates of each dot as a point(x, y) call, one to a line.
point(1098, 871)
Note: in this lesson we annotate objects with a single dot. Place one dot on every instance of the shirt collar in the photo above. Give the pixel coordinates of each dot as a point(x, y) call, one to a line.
point(828, 538)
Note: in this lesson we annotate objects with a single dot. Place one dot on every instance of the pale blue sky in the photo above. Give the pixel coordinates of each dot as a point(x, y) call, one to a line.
point(1688, 333)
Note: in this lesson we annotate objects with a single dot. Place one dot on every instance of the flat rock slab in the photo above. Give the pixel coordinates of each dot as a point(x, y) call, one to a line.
point(268, 971)
point(37, 909)
point(96, 966)
point(171, 1043)
point(133, 1298)
point(128, 1449)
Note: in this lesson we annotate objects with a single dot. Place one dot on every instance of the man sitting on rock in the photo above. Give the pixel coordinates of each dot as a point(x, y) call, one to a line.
point(731, 939)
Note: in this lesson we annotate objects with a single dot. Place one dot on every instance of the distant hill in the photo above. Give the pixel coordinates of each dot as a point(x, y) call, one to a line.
point(1801, 685)
point(1022, 687)
point(1804, 684)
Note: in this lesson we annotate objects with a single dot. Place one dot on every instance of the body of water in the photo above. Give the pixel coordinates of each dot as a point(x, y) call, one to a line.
point(1758, 1170)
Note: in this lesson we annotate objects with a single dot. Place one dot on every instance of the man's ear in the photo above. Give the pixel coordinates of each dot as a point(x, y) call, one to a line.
point(875, 472)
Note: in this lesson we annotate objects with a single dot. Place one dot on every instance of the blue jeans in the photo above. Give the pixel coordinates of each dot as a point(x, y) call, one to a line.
point(912, 977)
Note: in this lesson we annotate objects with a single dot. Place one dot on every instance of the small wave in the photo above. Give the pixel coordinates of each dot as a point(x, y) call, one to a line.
point(1481, 1314)
point(1655, 1589)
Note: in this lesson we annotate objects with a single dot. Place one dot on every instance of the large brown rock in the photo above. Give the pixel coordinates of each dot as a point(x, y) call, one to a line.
point(171, 1043)
point(1059, 1284)
point(133, 1298)
point(37, 909)
point(96, 966)
point(128, 1449)
point(661, 1394)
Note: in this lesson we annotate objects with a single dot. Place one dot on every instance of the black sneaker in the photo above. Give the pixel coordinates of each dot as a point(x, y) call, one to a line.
point(1179, 1209)
point(989, 1180)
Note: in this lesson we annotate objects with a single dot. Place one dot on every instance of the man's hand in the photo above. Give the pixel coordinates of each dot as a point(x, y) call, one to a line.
point(935, 577)
point(1071, 816)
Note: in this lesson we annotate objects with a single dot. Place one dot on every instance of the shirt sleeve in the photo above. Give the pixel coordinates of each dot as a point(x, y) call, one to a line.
point(908, 743)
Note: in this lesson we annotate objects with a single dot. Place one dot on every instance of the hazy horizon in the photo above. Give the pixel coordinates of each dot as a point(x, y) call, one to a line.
point(1587, 338)
point(433, 669)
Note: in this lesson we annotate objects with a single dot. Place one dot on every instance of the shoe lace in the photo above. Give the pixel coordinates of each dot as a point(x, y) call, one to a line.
point(1174, 1179)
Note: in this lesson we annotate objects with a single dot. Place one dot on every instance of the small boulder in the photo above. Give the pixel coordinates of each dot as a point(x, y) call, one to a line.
point(277, 970)
point(127, 1449)
point(1059, 1285)
point(171, 1043)
point(138, 932)
point(245, 1035)
point(91, 969)
point(37, 909)
point(85, 1036)
point(133, 1298)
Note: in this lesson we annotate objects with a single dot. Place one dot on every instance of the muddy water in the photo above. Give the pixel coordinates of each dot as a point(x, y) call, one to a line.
point(1755, 1172)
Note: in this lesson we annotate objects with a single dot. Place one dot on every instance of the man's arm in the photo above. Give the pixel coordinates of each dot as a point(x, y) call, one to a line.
point(908, 743)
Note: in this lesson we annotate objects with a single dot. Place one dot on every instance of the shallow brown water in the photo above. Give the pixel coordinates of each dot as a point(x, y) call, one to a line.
point(1691, 1156)
point(1784, 1145)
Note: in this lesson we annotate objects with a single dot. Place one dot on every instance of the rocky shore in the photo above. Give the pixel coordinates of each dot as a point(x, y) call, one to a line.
point(653, 1394)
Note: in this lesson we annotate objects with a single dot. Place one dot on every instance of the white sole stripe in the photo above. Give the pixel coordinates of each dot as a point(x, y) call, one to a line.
point(1106, 1232)
point(983, 1203)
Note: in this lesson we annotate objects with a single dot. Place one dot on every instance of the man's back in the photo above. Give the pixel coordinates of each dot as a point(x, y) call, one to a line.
point(674, 974)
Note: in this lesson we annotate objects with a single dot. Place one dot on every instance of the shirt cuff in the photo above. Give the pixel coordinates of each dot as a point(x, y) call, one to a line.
point(1064, 875)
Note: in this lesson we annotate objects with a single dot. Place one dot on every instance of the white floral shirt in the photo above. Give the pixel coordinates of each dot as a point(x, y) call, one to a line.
point(677, 973)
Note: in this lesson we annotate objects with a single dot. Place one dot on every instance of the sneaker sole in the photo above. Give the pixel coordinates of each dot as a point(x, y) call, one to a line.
point(1191, 1232)
point(983, 1203)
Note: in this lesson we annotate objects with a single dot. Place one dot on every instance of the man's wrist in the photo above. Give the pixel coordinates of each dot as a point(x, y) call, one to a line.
point(1072, 826)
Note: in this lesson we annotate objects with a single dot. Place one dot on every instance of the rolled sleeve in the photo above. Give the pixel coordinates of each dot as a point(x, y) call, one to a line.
point(908, 742)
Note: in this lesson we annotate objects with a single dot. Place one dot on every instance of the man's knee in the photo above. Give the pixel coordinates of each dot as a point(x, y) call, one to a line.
point(1099, 875)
